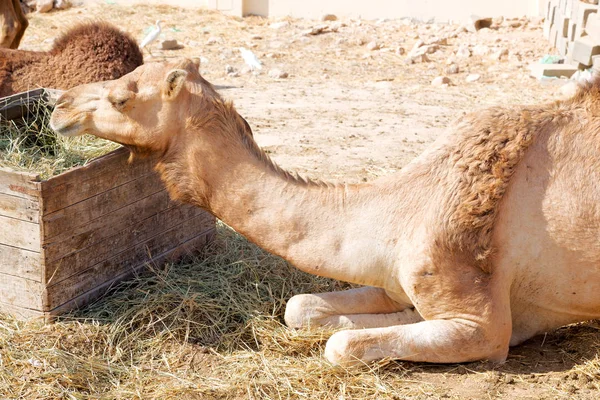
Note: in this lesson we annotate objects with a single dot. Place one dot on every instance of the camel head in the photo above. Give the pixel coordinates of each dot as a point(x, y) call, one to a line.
point(144, 110)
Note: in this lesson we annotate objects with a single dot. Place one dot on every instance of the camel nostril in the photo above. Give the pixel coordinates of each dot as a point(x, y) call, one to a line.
point(63, 101)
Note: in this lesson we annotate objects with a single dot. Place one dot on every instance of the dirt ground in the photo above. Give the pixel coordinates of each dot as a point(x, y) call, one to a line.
point(350, 113)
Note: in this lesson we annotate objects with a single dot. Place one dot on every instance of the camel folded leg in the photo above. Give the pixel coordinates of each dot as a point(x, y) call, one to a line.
point(365, 307)
point(439, 341)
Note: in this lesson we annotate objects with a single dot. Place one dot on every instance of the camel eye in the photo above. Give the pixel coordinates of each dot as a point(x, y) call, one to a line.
point(119, 100)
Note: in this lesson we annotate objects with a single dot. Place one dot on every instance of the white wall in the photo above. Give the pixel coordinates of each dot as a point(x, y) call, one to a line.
point(441, 10)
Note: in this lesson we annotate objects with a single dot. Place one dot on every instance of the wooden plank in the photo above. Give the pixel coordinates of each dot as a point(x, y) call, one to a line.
point(19, 184)
point(15, 106)
point(19, 208)
point(21, 312)
point(100, 175)
point(63, 221)
point(189, 247)
point(21, 292)
point(103, 227)
point(127, 260)
point(22, 234)
point(19, 262)
point(128, 236)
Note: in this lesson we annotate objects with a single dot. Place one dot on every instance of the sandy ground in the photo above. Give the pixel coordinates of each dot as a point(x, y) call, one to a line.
point(348, 113)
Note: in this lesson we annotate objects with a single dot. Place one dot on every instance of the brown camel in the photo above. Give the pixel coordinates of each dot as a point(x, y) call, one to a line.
point(90, 52)
point(12, 24)
point(488, 238)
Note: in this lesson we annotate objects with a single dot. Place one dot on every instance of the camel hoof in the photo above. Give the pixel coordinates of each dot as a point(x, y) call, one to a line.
point(294, 312)
point(342, 350)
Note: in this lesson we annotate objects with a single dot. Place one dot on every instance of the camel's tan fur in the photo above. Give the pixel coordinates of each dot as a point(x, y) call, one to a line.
point(12, 24)
point(89, 52)
point(486, 239)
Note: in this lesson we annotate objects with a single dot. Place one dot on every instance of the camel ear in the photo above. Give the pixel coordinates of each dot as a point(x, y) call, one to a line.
point(174, 82)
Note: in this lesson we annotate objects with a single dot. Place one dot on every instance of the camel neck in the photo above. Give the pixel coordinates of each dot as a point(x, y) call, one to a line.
point(325, 230)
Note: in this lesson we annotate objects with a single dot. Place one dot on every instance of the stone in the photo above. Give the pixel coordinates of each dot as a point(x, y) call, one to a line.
point(476, 23)
point(279, 25)
point(440, 81)
point(418, 44)
point(256, 37)
point(583, 50)
point(170, 44)
point(212, 40)
point(463, 51)
point(62, 4)
point(400, 50)
point(43, 6)
point(431, 48)
point(452, 69)
point(443, 41)
point(329, 17)
point(336, 26)
point(229, 69)
point(481, 50)
point(540, 71)
point(315, 30)
point(276, 73)
point(417, 59)
point(373, 46)
point(498, 54)
point(473, 78)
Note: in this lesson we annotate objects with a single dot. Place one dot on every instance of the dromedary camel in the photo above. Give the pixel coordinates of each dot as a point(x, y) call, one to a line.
point(12, 24)
point(90, 52)
point(489, 237)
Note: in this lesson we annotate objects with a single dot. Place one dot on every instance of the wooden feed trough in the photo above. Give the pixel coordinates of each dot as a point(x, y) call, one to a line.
point(64, 241)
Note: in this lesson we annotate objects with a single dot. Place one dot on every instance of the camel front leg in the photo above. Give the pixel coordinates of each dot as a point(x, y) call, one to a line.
point(438, 341)
point(365, 307)
point(467, 317)
point(21, 24)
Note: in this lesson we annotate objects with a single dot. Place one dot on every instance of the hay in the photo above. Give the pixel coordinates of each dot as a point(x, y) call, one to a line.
point(29, 144)
point(211, 328)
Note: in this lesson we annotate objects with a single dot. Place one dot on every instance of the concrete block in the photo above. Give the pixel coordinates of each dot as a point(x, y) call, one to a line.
point(552, 70)
point(572, 34)
point(562, 45)
point(592, 27)
point(596, 63)
point(553, 35)
point(563, 29)
point(580, 15)
point(549, 19)
point(569, 59)
point(583, 50)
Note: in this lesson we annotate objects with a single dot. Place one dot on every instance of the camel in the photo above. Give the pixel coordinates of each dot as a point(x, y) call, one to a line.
point(489, 237)
point(12, 24)
point(89, 52)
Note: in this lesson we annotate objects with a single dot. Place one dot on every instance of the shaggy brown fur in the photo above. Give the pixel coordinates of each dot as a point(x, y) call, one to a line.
point(90, 52)
point(12, 24)
point(479, 164)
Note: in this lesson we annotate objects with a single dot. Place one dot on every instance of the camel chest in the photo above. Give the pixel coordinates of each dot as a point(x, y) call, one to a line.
point(64, 241)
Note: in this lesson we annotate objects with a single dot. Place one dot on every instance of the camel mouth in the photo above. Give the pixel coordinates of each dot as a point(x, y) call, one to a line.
point(67, 128)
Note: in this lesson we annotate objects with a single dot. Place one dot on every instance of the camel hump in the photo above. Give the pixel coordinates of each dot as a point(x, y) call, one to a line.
point(105, 41)
point(478, 165)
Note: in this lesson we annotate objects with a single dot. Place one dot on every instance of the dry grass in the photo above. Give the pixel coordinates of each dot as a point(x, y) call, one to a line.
point(211, 327)
point(204, 328)
point(29, 144)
